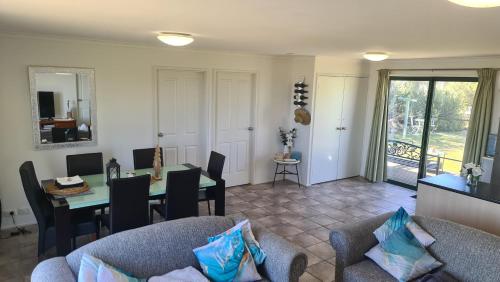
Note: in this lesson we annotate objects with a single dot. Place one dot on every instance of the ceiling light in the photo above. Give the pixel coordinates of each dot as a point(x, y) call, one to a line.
point(375, 56)
point(477, 3)
point(175, 38)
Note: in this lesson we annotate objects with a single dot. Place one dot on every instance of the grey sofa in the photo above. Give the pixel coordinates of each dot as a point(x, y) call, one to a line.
point(467, 254)
point(160, 248)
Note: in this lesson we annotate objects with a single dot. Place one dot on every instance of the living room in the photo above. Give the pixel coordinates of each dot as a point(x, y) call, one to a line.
point(319, 119)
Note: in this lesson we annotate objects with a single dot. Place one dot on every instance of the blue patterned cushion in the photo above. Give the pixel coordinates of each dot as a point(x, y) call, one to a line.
point(403, 256)
point(396, 221)
point(227, 259)
point(93, 269)
point(246, 230)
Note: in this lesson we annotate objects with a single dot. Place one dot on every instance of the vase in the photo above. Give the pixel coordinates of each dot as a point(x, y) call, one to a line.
point(469, 179)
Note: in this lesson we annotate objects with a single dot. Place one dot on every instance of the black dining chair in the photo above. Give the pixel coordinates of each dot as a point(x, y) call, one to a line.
point(81, 224)
point(143, 158)
point(58, 135)
point(214, 169)
point(181, 195)
point(128, 204)
point(84, 164)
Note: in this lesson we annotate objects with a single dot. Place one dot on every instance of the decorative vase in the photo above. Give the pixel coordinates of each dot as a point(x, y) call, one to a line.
point(469, 179)
point(475, 181)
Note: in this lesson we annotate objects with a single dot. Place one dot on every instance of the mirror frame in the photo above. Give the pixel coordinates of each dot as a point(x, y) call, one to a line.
point(37, 142)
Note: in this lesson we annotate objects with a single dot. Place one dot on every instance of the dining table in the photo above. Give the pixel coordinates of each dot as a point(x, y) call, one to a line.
point(97, 197)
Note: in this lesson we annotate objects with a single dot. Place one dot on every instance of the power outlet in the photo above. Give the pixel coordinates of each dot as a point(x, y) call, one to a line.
point(23, 211)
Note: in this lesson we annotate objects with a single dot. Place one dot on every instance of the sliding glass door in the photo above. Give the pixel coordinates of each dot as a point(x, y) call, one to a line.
point(427, 124)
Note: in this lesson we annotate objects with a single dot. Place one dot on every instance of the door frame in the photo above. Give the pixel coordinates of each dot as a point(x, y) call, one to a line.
point(427, 118)
point(253, 112)
point(206, 92)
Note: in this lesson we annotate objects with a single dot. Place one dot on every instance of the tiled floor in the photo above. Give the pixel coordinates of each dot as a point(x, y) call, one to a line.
point(303, 216)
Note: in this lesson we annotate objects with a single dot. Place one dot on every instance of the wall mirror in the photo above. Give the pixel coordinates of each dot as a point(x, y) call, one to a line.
point(63, 107)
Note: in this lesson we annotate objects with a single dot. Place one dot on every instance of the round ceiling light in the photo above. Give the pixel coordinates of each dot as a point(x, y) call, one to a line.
point(175, 38)
point(477, 3)
point(375, 56)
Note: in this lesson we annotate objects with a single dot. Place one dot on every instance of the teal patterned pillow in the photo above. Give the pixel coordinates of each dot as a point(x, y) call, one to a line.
point(403, 256)
point(246, 230)
point(399, 219)
point(227, 259)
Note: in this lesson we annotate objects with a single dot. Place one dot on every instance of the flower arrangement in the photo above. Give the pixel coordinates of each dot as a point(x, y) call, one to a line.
point(473, 172)
point(288, 136)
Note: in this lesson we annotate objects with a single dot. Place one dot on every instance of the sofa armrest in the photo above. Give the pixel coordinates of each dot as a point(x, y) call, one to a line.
point(284, 261)
point(54, 270)
point(352, 241)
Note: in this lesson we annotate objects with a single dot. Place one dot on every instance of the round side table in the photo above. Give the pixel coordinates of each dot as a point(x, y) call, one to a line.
point(284, 172)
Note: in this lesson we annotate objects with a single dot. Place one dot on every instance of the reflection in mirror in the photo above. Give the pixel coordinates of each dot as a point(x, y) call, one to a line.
point(62, 103)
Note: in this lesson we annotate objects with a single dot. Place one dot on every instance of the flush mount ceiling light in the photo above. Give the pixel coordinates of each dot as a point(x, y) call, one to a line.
point(175, 38)
point(375, 56)
point(477, 3)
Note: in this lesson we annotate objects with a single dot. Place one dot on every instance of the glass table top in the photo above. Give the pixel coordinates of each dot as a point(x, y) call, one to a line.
point(99, 191)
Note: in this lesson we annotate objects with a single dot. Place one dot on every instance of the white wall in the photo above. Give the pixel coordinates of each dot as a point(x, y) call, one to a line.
point(439, 63)
point(124, 90)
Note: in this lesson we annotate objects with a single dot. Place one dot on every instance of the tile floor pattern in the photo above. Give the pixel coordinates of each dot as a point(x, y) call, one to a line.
point(303, 216)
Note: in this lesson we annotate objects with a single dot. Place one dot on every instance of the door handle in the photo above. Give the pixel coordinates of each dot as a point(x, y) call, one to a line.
point(338, 128)
point(250, 128)
point(344, 128)
point(160, 134)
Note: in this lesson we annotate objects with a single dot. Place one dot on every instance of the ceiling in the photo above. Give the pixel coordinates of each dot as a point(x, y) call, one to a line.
point(404, 28)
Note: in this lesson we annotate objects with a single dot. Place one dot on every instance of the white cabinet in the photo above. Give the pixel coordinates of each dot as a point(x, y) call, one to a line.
point(338, 124)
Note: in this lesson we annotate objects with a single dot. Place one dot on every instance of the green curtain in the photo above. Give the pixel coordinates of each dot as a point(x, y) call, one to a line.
point(376, 167)
point(479, 123)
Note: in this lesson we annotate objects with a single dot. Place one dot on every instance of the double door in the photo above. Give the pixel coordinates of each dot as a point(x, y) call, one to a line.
point(338, 128)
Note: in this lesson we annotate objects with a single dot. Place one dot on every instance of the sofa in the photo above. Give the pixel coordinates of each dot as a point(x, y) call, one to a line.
point(163, 247)
point(467, 254)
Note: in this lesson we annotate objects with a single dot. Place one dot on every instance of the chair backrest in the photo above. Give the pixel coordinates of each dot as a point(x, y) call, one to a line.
point(84, 164)
point(58, 135)
point(128, 203)
point(38, 201)
point(216, 165)
point(143, 158)
point(182, 193)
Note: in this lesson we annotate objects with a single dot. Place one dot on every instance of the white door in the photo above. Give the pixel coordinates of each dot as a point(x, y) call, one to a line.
point(352, 125)
point(326, 130)
point(182, 116)
point(234, 93)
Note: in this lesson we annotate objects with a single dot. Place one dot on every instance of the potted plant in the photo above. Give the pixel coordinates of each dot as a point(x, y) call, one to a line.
point(287, 140)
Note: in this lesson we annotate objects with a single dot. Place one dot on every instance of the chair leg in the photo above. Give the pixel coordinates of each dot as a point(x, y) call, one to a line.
point(150, 215)
point(208, 202)
point(275, 172)
point(98, 229)
point(41, 242)
point(74, 242)
point(298, 178)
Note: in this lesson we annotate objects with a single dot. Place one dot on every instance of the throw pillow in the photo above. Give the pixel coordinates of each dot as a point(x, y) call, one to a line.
point(403, 256)
point(187, 274)
point(396, 221)
point(227, 259)
point(90, 268)
point(246, 230)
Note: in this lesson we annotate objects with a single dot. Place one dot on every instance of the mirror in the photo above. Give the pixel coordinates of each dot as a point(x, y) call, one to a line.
point(63, 107)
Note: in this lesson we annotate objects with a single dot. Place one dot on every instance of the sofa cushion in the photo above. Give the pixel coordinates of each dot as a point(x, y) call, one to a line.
point(366, 270)
point(147, 251)
point(467, 253)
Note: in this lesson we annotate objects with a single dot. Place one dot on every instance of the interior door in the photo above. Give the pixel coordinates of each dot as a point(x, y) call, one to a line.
point(233, 124)
point(181, 116)
point(327, 128)
point(351, 135)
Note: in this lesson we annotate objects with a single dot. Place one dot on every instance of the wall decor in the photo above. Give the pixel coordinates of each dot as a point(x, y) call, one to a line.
point(302, 115)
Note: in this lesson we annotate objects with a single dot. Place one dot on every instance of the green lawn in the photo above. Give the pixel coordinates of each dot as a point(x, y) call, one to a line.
point(451, 144)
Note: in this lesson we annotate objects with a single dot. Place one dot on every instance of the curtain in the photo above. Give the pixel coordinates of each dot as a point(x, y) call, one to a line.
point(376, 167)
point(479, 123)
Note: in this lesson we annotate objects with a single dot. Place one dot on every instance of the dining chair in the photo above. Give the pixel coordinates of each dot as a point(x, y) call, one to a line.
point(214, 169)
point(181, 195)
point(81, 224)
point(143, 158)
point(84, 164)
point(128, 204)
point(58, 135)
